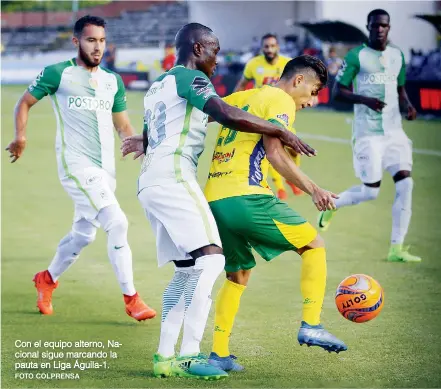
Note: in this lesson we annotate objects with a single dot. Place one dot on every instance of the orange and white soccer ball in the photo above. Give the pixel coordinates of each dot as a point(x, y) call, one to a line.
point(359, 298)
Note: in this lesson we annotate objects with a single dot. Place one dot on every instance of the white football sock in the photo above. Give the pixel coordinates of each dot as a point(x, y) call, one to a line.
point(197, 298)
point(356, 195)
point(114, 222)
point(173, 309)
point(401, 210)
point(83, 233)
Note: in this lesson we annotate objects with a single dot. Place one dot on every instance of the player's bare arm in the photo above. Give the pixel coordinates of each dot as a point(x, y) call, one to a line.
point(240, 120)
point(241, 85)
point(343, 93)
point(21, 113)
point(236, 118)
point(405, 103)
point(282, 162)
point(122, 124)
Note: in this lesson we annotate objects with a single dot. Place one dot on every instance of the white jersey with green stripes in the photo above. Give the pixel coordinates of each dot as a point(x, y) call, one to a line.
point(83, 102)
point(375, 74)
point(175, 126)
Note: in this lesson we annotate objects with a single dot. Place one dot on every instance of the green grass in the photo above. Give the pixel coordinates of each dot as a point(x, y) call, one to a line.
point(400, 348)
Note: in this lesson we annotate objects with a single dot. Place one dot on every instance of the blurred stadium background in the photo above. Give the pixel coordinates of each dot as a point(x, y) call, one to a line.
point(401, 348)
point(141, 34)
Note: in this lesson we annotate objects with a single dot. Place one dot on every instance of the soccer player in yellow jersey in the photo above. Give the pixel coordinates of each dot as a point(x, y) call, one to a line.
point(248, 215)
point(266, 69)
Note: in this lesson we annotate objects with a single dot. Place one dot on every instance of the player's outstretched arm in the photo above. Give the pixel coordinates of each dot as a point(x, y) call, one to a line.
point(122, 124)
point(21, 114)
point(240, 120)
point(284, 165)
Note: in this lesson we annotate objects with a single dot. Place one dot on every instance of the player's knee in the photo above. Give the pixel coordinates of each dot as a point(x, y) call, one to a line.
point(370, 192)
point(214, 263)
point(401, 175)
point(83, 239)
point(240, 277)
point(211, 249)
point(317, 243)
point(113, 220)
point(404, 188)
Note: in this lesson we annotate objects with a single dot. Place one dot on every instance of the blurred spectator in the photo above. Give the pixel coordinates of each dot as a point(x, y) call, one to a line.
point(109, 57)
point(169, 58)
point(255, 46)
point(333, 62)
point(424, 66)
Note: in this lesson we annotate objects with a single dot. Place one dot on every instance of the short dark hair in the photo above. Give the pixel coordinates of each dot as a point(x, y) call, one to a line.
point(377, 12)
point(266, 36)
point(189, 34)
point(308, 62)
point(87, 20)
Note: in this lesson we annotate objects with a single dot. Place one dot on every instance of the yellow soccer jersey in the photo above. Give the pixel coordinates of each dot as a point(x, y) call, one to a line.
point(263, 73)
point(239, 165)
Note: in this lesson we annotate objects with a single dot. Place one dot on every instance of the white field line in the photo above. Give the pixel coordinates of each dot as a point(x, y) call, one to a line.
point(331, 139)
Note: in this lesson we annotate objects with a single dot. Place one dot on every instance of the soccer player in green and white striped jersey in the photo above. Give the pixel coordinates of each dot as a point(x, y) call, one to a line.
point(377, 73)
point(89, 102)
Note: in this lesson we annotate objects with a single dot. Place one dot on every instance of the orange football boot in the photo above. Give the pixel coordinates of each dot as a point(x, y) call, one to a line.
point(137, 308)
point(45, 287)
point(297, 191)
point(282, 195)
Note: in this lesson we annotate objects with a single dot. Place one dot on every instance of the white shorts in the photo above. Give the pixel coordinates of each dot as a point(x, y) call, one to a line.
point(91, 190)
point(374, 154)
point(180, 218)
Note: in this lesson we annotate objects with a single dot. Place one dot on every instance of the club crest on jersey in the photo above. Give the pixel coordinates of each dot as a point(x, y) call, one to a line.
point(93, 83)
point(260, 70)
point(202, 87)
point(284, 117)
point(383, 61)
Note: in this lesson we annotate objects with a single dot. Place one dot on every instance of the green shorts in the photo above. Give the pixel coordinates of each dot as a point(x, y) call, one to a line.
point(261, 222)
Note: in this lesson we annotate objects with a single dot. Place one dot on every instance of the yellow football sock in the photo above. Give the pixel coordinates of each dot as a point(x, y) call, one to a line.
point(277, 178)
point(227, 305)
point(313, 284)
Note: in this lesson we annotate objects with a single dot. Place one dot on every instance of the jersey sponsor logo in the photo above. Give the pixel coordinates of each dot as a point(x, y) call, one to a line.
point(256, 176)
point(203, 87)
point(88, 103)
point(223, 157)
point(284, 117)
point(379, 79)
point(218, 174)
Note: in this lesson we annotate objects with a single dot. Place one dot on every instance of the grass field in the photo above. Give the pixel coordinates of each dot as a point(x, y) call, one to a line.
point(401, 348)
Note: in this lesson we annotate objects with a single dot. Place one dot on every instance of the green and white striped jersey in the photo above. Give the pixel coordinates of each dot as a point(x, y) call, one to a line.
point(376, 74)
point(175, 126)
point(83, 103)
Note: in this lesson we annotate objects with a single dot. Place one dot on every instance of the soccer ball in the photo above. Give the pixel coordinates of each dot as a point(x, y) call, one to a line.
point(359, 298)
